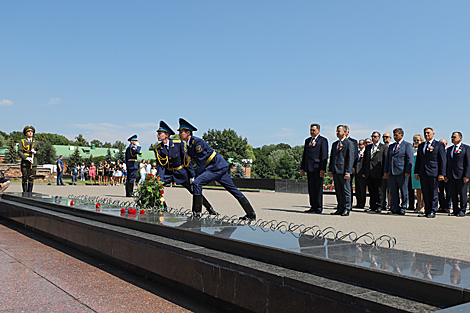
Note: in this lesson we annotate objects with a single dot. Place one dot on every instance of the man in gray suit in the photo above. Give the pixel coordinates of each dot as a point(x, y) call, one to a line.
point(341, 162)
point(398, 170)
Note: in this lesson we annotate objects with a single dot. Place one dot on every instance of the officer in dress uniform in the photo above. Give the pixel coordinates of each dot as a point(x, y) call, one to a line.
point(174, 163)
point(132, 152)
point(29, 162)
point(211, 166)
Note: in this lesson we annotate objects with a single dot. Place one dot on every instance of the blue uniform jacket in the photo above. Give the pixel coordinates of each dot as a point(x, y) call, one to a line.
point(432, 161)
point(399, 161)
point(205, 156)
point(131, 157)
point(173, 163)
point(315, 155)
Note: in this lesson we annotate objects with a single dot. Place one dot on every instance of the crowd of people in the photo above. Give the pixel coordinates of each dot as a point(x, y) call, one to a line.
point(105, 173)
point(393, 172)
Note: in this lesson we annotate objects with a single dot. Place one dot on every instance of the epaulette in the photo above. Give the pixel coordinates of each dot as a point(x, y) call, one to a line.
point(158, 146)
point(177, 140)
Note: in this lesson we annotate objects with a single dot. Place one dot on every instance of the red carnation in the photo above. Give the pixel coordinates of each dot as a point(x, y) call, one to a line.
point(71, 202)
point(98, 205)
point(123, 210)
point(142, 211)
point(162, 191)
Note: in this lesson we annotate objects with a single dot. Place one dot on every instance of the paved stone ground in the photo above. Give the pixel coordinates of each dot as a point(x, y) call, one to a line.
point(444, 235)
point(40, 275)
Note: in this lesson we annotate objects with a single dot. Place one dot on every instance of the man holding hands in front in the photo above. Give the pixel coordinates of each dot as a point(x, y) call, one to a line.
point(430, 168)
point(314, 160)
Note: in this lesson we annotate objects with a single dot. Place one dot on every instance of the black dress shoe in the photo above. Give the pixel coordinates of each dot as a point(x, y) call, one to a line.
point(461, 214)
point(401, 212)
point(345, 213)
point(392, 213)
point(452, 214)
point(422, 215)
point(431, 215)
point(337, 212)
point(369, 210)
point(379, 210)
point(311, 210)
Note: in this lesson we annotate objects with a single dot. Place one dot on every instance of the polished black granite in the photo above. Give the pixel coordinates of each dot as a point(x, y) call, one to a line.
point(427, 267)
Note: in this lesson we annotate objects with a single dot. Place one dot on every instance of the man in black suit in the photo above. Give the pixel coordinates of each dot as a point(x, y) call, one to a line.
point(375, 156)
point(314, 160)
point(360, 180)
point(430, 167)
point(458, 174)
point(356, 147)
point(398, 170)
point(443, 191)
point(386, 198)
point(341, 162)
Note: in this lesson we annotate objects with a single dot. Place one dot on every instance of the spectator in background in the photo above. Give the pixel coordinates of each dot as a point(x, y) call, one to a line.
point(148, 167)
point(118, 173)
point(368, 141)
point(74, 172)
point(153, 171)
point(416, 184)
point(112, 168)
point(386, 198)
point(124, 173)
point(4, 182)
point(100, 172)
point(92, 173)
point(60, 171)
point(82, 172)
point(106, 172)
point(143, 171)
point(443, 191)
point(360, 180)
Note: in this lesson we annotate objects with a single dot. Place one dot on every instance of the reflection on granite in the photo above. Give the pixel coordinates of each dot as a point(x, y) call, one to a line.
point(417, 265)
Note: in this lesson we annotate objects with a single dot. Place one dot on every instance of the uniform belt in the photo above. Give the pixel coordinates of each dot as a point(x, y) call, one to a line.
point(135, 160)
point(209, 159)
point(27, 153)
point(176, 168)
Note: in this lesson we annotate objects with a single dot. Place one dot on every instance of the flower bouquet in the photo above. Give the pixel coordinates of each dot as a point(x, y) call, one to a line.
point(149, 195)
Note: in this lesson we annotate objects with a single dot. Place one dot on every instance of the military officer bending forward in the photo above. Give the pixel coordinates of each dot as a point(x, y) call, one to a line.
point(211, 166)
point(173, 162)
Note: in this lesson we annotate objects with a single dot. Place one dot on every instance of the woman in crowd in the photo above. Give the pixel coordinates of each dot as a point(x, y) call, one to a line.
point(106, 172)
point(416, 184)
point(143, 171)
point(153, 171)
point(124, 173)
point(118, 173)
point(100, 173)
point(92, 173)
point(111, 173)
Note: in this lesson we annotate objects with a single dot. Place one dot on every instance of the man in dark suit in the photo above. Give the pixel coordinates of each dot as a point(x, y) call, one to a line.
point(356, 147)
point(360, 180)
point(375, 156)
point(341, 162)
point(386, 198)
point(398, 170)
point(458, 174)
point(443, 190)
point(314, 160)
point(430, 168)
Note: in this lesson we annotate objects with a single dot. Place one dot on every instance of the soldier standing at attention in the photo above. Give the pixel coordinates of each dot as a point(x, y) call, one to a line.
point(132, 152)
point(174, 163)
point(211, 166)
point(29, 163)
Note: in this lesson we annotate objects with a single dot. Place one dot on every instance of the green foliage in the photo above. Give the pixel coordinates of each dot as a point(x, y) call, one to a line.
point(119, 145)
point(120, 155)
point(80, 141)
point(12, 156)
point(46, 152)
point(107, 145)
point(75, 158)
point(5, 135)
point(238, 172)
point(227, 143)
point(278, 161)
point(109, 158)
point(53, 139)
point(17, 136)
point(263, 167)
point(3, 142)
point(249, 152)
point(96, 143)
point(150, 193)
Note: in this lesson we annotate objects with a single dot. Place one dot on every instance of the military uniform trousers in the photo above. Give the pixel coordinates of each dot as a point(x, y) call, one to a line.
point(219, 175)
point(131, 176)
point(28, 172)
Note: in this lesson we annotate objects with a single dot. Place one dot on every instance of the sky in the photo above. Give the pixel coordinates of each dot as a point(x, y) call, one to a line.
point(266, 69)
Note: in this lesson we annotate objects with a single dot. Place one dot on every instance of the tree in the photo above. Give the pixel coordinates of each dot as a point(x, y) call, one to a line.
point(249, 152)
point(106, 145)
point(96, 143)
point(80, 141)
point(285, 168)
point(238, 172)
point(52, 138)
point(263, 167)
point(75, 158)
point(120, 155)
point(119, 145)
point(46, 152)
point(109, 158)
point(227, 143)
point(12, 156)
point(3, 142)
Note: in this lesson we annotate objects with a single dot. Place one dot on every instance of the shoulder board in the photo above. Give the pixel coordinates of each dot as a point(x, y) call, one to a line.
point(177, 140)
point(158, 146)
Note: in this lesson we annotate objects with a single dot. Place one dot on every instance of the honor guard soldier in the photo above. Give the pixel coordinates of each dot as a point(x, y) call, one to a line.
point(29, 162)
point(132, 152)
point(174, 163)
point(211, 166)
